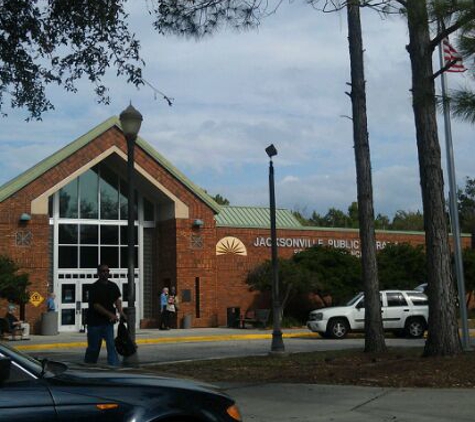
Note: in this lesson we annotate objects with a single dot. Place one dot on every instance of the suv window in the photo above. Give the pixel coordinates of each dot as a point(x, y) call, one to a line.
point(418, 299)
point(361, 303)
point(396, 299)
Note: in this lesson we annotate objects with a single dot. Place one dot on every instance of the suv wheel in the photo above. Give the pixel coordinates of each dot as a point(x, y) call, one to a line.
point(337, 328)
point(415, 327)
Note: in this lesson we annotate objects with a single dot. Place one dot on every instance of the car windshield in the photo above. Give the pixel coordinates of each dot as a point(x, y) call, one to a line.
point(39, 367)
point(355, 299)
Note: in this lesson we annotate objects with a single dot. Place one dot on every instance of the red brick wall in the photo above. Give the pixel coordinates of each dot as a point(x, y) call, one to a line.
point(233, 269)
point(196, 260)
point(27, 244)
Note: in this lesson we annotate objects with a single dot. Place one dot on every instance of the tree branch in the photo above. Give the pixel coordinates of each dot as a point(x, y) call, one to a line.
point(444, 69)
point(444, 33)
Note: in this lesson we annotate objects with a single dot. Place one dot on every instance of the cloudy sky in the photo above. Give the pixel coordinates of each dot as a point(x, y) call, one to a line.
point(236, 93)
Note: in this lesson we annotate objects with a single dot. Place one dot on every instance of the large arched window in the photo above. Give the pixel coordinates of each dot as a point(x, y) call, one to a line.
point(91, 215)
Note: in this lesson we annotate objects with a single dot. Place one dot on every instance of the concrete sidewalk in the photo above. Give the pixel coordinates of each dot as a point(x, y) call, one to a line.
point(155, 336)
point(338, 403)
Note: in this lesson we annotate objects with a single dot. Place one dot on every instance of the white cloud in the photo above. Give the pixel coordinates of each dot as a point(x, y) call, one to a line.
point(291, 180)
point(236, 93)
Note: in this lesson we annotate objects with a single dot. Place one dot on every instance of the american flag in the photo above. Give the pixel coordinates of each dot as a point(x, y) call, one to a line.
point(451, 55)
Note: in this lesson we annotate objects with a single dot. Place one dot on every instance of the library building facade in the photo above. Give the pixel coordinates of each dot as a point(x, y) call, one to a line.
point(68, 213)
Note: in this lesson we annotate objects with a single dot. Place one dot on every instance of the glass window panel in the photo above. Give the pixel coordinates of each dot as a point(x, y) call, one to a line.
point(124, 237)
point(68, 234)
point(68, 200)
point(88, 184)
point(123, 200)
point(124, 193)
point(89, 234)
point(68, 257)
point(148, 210)
point(110, 256)
point(109, 186)
point(85, 293)
point(68, 293)
point(68, 317)
point(89, 256)
point(124, 257)
point(109, 235)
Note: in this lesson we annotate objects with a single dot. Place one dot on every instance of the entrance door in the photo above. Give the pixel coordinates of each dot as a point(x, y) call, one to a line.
point(74, 296)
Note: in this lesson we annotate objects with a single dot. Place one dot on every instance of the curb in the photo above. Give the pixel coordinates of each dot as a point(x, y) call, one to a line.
point(190, 339)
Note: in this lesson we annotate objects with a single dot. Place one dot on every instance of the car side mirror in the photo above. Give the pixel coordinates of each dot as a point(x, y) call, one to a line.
point(360, 305)
point(5, 365)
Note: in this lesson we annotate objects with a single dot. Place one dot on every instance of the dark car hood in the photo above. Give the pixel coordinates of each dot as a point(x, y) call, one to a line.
point(140, 393)
point(107, 378)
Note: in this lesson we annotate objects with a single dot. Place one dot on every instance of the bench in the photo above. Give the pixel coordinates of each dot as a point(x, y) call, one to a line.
point(7, 333)
point(255, 317)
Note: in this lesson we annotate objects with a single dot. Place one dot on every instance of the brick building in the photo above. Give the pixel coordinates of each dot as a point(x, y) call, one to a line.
point(68, 213)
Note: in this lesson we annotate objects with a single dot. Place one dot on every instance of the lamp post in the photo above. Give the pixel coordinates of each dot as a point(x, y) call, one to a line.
point(277, 342)
point(130, 120)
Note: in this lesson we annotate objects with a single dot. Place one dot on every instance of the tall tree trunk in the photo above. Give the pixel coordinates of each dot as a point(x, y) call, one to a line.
point(374, 334)
point(443, 338)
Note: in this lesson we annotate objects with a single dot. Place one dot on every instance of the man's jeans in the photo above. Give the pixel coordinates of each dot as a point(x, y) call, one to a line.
point(95, 334)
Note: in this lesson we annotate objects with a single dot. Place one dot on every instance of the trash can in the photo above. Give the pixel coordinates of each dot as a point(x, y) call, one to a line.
point(187, 321)
point(49, 324)
point(233, 317)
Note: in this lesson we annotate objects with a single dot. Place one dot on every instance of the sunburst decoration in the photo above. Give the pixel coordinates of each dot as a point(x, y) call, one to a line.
point(230, 245)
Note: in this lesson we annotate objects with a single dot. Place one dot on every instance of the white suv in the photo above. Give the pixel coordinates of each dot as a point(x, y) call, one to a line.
point(404, 312)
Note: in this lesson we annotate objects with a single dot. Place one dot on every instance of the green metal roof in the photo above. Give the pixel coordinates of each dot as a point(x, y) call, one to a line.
point(19, 182)
point(255, 217)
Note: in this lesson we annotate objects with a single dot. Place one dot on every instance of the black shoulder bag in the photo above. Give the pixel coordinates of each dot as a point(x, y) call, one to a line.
point(123, 342)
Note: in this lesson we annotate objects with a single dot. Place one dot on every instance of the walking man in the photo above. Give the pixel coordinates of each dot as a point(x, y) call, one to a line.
point(104, 302)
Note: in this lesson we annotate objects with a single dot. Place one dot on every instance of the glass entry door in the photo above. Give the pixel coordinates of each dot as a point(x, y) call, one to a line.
point(74, 296)
point(74, 299)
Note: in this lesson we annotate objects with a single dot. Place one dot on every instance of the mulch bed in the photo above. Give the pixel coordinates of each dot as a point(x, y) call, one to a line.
point(397, 368)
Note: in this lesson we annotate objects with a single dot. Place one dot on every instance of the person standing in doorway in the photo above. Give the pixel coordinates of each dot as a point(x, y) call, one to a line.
point(104, 303)
point(164, 322)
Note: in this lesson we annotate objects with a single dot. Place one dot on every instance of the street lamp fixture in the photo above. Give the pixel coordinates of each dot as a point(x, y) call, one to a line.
point(131, 120)
point(277, 342)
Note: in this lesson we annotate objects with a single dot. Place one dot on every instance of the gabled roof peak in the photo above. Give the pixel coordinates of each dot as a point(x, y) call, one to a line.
point(19, 182)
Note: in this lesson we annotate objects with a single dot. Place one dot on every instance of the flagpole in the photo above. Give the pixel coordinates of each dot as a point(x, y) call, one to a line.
point(453, 209)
